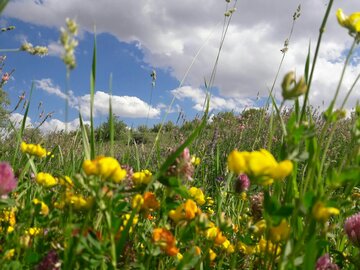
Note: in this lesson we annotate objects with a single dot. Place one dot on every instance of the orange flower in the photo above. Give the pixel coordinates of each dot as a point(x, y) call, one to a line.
point(187, 211)
point(150, 201)
point(165, 239)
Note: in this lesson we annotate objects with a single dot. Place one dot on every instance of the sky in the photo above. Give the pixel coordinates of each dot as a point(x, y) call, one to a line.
point(179, 40)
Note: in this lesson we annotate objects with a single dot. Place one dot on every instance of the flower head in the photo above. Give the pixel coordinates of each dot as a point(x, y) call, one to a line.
point(46, 179)
point(141, 178)
point(352, 22)
point(197, 195)
point(324, 263)
point(7, 179)
point(33, 149)
point(280, 232)
point(165, 239)
point(352, 229)
point(322, 213)
point(107, 168)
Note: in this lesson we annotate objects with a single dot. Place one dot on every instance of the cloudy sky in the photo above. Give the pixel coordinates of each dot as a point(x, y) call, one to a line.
point(136, 37)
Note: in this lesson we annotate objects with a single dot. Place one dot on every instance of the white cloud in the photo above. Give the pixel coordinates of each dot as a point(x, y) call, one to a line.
point(55, 49)
point(171, 32)
point(124, 106)
point(17, 119)
point(55, 125)
point(197, 96)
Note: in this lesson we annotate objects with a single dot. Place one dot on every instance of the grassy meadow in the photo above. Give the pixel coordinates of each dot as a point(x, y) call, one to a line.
point(276, 187)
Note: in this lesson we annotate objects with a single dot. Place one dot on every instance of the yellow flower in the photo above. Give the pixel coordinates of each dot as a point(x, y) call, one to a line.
point(259, 227)
point(245, 249)
point(197, 195)
point(33, 149)
point(66, 181)
point(33, 231)
point(137, 201)
point(229, 248)
point(44, 210)
point(280, 232)
point(143, 177)
point(260, 166)
point(322, 213)
point(185, 211)
point(9, 254)
point(212, 255)
point(105, 167)
point(352, 22)
point(267, 247)
point(195, 160)
point(237, 161)
point(46, 179)
point(77, 201)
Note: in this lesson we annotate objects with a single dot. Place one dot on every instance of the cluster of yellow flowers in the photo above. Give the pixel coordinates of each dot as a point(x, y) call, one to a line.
point(125, 220)
point(185, 211)
point(33, 149)
point(107, 168)
point(197, 195)
point(322, 213)
point(141, 178)
point(7, 217)
point(260, 166)
point(352, 22)
point(46, 179)
point(214, 233)
point(44, 209)
point(146, 202)
point(33, 231)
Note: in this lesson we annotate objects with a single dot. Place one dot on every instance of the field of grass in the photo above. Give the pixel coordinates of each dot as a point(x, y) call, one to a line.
point(269, 188)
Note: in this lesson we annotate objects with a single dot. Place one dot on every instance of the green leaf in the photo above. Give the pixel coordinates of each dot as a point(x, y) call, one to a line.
point(3, 4)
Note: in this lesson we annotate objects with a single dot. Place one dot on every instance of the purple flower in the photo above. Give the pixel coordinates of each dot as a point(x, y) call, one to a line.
point(352, 229)
point(242, 183)
point(7, 179)
point(324, 263)
point(49, 262)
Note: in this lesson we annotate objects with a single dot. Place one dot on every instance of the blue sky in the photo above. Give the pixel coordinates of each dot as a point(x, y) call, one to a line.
point(133, 38)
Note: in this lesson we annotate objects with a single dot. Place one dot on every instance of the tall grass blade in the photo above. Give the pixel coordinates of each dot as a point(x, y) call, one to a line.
point(92, 93)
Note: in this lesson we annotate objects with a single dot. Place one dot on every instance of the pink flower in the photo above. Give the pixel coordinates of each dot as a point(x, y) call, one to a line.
point(324, 263)
point(242, 183)
point(352, 229)
point(5, 77)
point(7, 179)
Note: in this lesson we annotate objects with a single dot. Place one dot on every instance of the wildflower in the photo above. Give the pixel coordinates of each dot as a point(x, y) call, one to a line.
point(9, 254)
point(126, 218)
point(44, 209)
point(256, 204)
point(50, 261)
point(246, 249)
point(352, 22)
point(105, 167)
point(150, 201)
point(182, 167)
point(5, 77)
point(33, 149)
point(197, 195)
point(228, 247)
point(46, 179)
point(7, 179)
point(165, 239)
point(352, 229)
point(195, 160)
point(280, 232)
point(292, 89)
point(37, 50)
point(137, 201)
point(66, 181)
point(267, 247)
point(185, 211)
point(324, 263)
point(259, 227)
point(143, 177)
point(33, 231)
point(212, 255)
point(78, 201)
point(322, 213)
point(259, 165)
point(242, 183)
